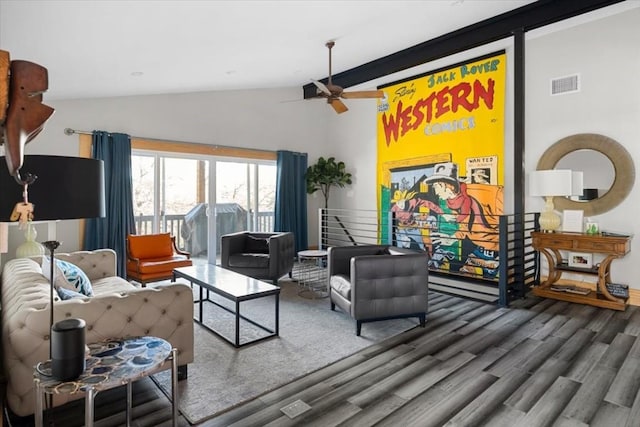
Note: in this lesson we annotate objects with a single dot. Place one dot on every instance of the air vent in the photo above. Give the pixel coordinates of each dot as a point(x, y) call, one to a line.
point(564, 85)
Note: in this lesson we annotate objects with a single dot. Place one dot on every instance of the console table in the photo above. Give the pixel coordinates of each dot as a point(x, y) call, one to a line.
point(612, 246)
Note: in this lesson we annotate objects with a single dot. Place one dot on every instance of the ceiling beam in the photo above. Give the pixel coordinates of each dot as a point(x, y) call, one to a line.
point(526, 18)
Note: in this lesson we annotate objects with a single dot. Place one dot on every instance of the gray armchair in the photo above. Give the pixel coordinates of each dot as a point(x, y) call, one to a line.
point(377, 282)
point(259, 255)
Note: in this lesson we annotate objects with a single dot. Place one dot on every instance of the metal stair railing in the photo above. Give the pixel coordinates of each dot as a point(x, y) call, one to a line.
point(517, 260)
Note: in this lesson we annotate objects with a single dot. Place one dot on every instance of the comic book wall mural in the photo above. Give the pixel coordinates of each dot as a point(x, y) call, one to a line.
point(441, 164)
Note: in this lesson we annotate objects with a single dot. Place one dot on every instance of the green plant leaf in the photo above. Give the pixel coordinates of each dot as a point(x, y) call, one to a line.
point(324, 174)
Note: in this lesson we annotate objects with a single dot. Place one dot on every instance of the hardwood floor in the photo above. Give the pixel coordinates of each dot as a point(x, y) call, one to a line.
point(539, 363)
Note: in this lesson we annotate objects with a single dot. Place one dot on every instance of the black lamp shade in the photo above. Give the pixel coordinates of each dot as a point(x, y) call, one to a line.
point(66, 188)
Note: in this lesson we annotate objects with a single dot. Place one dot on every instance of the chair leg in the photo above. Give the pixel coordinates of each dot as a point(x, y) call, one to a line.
point(358, 327)
point(422, 318)
point(333, 306)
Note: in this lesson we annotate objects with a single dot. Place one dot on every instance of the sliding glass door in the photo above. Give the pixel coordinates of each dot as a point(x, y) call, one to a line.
point(171, 194)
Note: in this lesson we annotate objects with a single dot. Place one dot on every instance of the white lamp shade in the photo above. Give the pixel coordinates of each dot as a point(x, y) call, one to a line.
point(555, 182)
point(577, 184)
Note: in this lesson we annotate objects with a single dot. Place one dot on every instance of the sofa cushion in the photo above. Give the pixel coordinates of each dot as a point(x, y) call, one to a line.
point(342, 285)
point(67, 275)
point(160, 265)
point(66, 294)
point(256, 245)
point(249, 260)
point(111, 285)
point(150, 246)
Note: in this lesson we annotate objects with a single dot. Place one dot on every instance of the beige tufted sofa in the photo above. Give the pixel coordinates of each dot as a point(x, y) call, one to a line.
point(117, 309)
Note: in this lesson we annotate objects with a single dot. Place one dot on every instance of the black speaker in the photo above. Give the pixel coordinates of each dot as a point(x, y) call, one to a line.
point(67, 349)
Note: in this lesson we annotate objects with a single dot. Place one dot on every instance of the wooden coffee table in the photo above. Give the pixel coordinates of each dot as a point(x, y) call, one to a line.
point(234, 287)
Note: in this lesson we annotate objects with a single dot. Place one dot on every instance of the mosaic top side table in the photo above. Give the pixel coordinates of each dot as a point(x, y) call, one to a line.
point(110, 364)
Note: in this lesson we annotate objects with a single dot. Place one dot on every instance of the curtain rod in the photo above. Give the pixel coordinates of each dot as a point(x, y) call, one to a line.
point(69, 131)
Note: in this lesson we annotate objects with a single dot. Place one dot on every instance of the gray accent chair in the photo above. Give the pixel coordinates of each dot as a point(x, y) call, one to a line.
point(264, 256)
point(378, 282)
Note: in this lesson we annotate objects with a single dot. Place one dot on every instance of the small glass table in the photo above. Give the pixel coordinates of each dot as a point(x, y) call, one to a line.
point(110, 364)
point(312, 273)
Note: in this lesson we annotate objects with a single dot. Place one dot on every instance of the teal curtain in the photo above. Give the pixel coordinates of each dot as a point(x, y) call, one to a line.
point(111, 231)
point(291, 196)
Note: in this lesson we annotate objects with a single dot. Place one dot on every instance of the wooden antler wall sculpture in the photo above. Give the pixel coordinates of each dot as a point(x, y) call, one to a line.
point(22, 113)
point(22, 117)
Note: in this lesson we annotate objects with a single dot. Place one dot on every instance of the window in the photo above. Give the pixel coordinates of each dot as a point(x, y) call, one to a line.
point(171, 190)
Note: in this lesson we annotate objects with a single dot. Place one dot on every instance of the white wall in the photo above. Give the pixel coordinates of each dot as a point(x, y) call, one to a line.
point(606, 55)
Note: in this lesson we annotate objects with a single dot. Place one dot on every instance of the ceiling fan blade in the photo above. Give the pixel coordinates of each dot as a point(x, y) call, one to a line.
point(323, 88)
point(363, 94)
point(338, 105)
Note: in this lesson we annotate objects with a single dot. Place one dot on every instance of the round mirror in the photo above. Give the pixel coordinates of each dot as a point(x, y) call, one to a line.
point(606, 166)
point(597, 171)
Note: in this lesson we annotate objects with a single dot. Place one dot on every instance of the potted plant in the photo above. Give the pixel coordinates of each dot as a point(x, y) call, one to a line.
point(325, 174)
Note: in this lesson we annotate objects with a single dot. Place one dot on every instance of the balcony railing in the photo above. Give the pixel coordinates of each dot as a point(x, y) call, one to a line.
point(265, 222)
point(168, 224)
point(173, 224)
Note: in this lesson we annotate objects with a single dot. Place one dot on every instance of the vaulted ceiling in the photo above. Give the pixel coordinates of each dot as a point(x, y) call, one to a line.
point(119, 48)
point(106, 48)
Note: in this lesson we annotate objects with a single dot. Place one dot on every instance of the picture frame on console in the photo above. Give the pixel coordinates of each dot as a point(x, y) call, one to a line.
point(580, 260)
point(572, 220)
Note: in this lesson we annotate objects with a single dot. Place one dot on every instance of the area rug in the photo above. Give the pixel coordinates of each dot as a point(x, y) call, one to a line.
point(311, 337)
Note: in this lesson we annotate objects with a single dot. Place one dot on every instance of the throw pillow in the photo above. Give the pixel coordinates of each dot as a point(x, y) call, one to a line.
point(68, 276)
point(66, 294)
point(256, 245)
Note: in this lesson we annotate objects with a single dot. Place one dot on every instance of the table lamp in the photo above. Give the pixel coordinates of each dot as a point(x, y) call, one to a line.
point(553, 183)
point(64, 188)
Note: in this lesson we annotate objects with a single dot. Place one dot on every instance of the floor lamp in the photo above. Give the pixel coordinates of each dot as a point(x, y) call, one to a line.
point(65, 188)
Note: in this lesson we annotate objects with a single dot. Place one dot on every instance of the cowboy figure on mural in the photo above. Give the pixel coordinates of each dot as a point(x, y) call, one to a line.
point(466, 225)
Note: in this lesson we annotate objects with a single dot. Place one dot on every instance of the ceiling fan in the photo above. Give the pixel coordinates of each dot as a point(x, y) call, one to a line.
point(333, 93)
